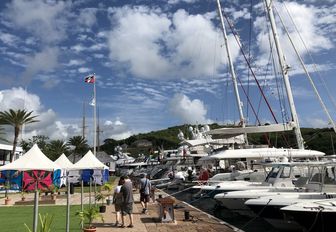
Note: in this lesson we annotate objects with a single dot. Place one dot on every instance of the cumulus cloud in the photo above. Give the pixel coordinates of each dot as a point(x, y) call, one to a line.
point(189, 111)
point(174, 46)
point(48, 125)
point(116, 129)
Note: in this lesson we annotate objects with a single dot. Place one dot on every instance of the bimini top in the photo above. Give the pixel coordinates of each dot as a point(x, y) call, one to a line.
point(34, 159)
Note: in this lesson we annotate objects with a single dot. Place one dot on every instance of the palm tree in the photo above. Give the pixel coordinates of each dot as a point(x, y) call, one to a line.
point(56, 148)
point(80, 145)
point(16, 118)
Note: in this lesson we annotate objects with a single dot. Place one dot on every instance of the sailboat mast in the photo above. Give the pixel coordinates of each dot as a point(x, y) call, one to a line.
point(233, 74)
point(284, 71)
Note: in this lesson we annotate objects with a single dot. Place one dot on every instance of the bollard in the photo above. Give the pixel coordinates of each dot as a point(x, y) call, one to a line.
point(186, 215)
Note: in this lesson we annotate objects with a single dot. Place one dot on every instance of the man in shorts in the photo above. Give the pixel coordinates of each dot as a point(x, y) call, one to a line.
point(127, 203)
point(145, 190)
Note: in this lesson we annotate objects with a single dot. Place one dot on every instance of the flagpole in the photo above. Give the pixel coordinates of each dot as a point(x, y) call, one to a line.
point(94, 117)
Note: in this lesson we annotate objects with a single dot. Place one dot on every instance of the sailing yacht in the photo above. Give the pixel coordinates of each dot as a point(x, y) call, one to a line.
point(249, 153)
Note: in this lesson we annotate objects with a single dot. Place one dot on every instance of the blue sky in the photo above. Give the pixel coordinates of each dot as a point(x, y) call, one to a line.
point(158, 63)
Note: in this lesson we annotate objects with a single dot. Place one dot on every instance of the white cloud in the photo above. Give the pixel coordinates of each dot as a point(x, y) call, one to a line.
point(181, 1)
point(48, 125)
point(176, 46)
point(8, 39)
point(84, 70)
point(189, 111)
point(87, 16)
point(44, 61)
point(116, 129)
point(75, 62)
point(307, 23)
point(45, 20)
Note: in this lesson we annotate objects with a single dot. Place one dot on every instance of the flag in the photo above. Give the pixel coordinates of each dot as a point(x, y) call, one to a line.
point(93, 102)
point(90, 79)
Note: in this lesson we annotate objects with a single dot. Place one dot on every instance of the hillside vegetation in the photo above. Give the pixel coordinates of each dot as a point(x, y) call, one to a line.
point(317, 139)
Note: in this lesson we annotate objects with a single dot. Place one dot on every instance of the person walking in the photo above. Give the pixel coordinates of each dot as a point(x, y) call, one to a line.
point(117, 201)
point(127, 201)
point(145, 190)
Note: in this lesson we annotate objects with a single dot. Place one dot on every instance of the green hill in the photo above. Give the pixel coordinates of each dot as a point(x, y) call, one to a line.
point(316, 139)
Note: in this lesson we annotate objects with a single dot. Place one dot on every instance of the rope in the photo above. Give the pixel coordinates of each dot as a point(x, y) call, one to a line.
point(259, 213)
point(315, 220)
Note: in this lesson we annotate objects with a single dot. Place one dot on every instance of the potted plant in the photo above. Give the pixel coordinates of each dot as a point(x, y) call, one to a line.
point(7, 199)
point(87, 216)
point(53, 189)
point(101, 197)
point(102, 194)
point(23, 198)
point(108, 188)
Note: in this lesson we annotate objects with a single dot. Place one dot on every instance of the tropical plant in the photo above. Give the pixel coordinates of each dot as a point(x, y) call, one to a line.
point(55, 148)
point(40, 140)
point(88, 215)
point(80, 145)
point(45, 223)
point(16, 118)
point(100, 197)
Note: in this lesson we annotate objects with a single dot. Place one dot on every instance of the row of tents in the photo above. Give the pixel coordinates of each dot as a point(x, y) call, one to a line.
point(35, 170)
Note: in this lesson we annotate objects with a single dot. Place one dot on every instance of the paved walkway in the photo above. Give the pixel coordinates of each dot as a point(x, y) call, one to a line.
point(150, 222)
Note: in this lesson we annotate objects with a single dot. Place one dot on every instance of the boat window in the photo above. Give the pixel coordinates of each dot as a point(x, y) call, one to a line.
point(273, 173)
point(285, 172)
point(316, 174)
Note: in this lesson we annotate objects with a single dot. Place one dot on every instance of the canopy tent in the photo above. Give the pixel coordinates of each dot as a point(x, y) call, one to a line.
point(91, 167)
point(34, 159)
point(36, 169)
point(63, 162)
point(89, 161)
point(66, 164)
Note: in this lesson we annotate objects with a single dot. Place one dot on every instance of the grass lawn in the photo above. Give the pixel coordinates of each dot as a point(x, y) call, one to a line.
point(13, 218)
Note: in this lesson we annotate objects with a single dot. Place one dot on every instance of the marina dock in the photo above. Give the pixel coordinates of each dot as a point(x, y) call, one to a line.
point(150, 222)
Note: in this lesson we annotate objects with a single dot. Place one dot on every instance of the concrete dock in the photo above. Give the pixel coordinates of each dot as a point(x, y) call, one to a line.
point(150, 222)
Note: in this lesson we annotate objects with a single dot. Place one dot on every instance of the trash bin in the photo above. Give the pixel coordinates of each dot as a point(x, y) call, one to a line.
point(166, 210)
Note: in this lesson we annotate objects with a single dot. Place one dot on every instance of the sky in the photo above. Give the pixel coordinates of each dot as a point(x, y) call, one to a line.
point(161, 63)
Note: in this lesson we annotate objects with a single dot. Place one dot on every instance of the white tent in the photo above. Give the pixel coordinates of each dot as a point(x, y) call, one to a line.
point(89, 161)
point(64, 162)
point(34, 159)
